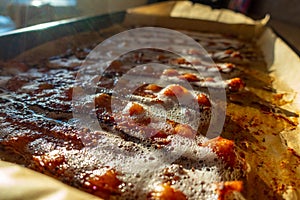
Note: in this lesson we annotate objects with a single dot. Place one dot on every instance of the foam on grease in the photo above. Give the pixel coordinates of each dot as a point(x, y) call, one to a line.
point(142, 166)
point(194, 173)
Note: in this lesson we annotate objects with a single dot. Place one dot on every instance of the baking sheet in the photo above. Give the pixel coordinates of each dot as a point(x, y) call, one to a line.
point(16, 42)
point(276, 52)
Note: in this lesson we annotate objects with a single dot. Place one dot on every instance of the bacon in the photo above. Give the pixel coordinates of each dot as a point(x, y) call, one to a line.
point(235, 84)
point(226, 188)
point(104, 185)
point(136, 109)
point(103, 101)
point(171, 72)
point(175, 90)
point(46, 86)
point(203, 100)
point(166, 192)
point(229, 51)
point(185, 131)
point(180, 61)
point(153, 87)
point(189, 77)
point(55, 146)
point(224, 149)
point(16, 83)
point(50, 163)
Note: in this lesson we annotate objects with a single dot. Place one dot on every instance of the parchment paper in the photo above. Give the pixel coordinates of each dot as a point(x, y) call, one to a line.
point(281, 60)
point(17, 182)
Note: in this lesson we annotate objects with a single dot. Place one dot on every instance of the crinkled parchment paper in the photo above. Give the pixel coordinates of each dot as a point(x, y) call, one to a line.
point(17, 182)
point(282, 155)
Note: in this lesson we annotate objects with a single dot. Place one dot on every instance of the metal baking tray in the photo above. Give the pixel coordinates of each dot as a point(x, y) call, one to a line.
point(16, 42)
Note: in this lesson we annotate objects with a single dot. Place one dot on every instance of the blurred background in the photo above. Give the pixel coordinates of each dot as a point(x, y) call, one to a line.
point(29, 12)
point(14, 14)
